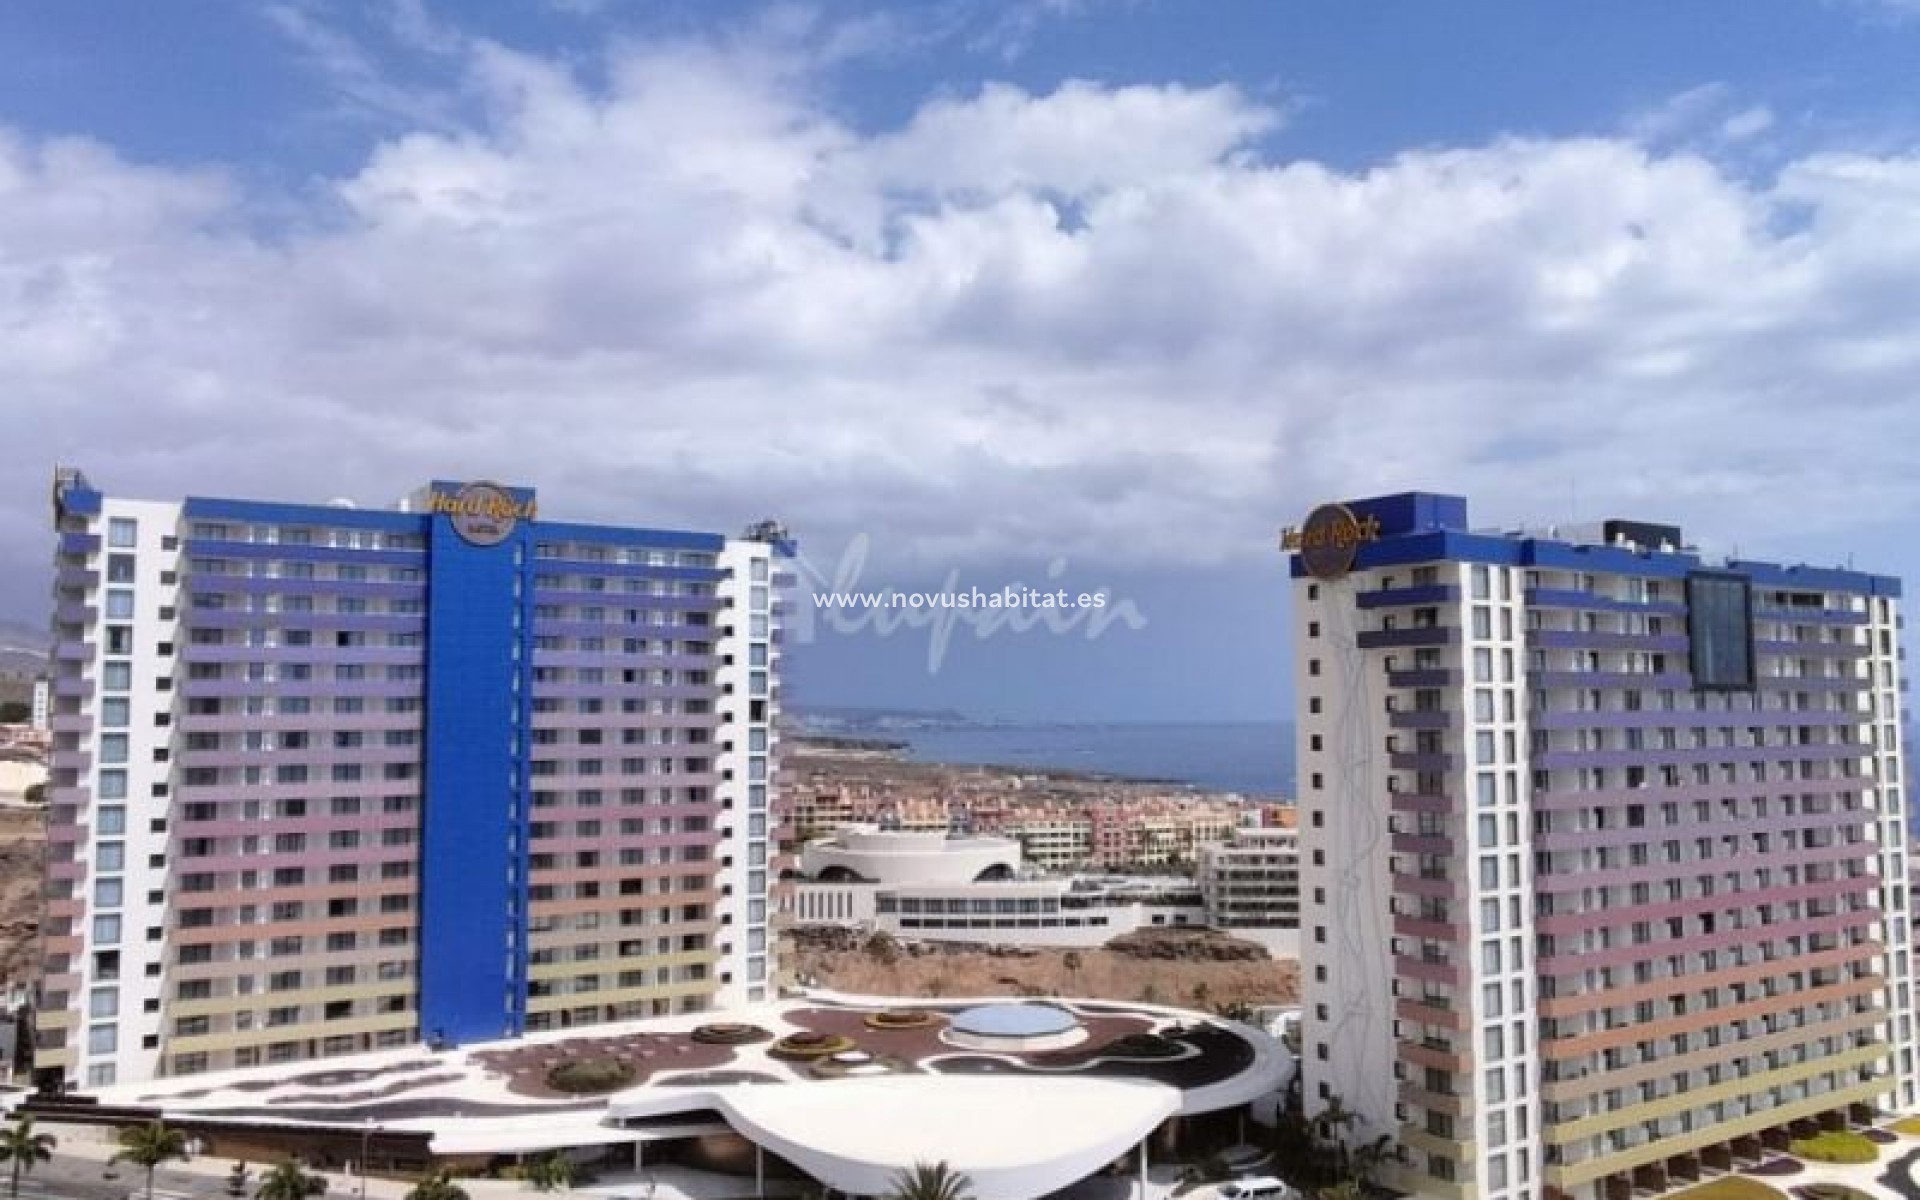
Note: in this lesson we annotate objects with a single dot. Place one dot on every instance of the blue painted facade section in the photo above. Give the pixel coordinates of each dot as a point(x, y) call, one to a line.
point(473, 838)
point(1413, 512)
point(268, 512)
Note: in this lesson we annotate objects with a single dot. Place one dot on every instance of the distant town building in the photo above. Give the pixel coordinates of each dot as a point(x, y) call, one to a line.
point(1605, 865)
point(327, 779)
point(1251, 879)
point(1055, 844)
point(42, 702)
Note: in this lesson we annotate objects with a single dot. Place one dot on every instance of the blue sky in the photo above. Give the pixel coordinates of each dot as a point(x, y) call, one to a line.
point(1118, 284)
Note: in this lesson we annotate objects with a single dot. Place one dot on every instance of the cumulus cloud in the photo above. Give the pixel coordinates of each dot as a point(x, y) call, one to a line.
point(1093, 321)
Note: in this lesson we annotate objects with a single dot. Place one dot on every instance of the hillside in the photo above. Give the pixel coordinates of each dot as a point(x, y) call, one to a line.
point(22, 843)
point(1197, 968)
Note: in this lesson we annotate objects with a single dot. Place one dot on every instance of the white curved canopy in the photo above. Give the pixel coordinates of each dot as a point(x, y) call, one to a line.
point(1013, 1140)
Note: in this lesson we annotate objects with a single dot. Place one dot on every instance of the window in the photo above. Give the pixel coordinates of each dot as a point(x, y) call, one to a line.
point(119, 605)
point(122, 532)
point(116, 676)
point(113, 747)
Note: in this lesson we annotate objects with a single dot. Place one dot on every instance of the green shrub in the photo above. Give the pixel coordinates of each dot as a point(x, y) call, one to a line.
point(584, 1076)
point(1835, 1146)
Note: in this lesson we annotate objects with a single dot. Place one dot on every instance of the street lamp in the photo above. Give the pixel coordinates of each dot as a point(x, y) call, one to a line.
point(366, 1134)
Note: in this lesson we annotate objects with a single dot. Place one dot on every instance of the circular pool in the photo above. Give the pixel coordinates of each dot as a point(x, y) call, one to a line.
point(1015, 1027)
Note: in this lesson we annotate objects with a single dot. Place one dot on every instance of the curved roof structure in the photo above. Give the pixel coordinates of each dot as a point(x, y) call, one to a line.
point(890, 856)
point(986, 1085)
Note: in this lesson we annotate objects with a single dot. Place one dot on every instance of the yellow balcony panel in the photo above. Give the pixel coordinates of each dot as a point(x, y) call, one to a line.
point(1460, 1149)
point(315, 1031)
point(608, 966)
point(1669, 1106)
point(658, 991)
point(214, 1006)
point(1572, 1175)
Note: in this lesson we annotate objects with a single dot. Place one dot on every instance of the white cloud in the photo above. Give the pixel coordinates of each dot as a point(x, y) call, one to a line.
point(1747, 123)
point(1090, 321)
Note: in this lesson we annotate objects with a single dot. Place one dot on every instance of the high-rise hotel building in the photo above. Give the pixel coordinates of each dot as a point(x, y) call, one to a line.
point(327, 779)
point(1605, 859)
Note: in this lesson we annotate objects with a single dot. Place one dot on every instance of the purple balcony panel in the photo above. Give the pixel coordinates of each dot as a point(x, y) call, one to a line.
point(1438, 593)
point(1435, 677)
point(1436, 635)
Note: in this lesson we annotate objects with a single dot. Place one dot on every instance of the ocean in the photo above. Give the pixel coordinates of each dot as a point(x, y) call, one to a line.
point(1255, 759)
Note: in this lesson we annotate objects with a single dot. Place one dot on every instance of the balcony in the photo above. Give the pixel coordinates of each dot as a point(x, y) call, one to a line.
point(70, 760)
point(1427, 927)
point(1421, 803)
point(1435, 593)
point(1435, 971)
point(1437, 1053)
point(1454, 1104)
point(1423, 677)
point(1432, 718)
point(1433, 635)
point(1430, 1010)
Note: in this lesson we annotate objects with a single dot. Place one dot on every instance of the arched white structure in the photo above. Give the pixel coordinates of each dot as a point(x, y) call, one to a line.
point(901, 856)
point(1017, 1135)
point(1014, 1141)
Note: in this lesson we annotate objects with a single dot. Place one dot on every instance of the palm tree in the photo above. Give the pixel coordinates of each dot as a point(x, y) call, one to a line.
point(931, 1181)
point(289, 1181)
point(1368, 1159)
point(551, 1173)
point(437, 1186)
point(21, 1148)
point(150, 1145)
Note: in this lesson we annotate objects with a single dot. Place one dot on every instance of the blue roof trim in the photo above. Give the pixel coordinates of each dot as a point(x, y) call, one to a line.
point(275, 512)
point(614, 535)
point(1453, 546)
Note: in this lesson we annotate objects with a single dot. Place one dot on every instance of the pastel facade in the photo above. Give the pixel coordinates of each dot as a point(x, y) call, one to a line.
point(1605, 867)
point(327, 780)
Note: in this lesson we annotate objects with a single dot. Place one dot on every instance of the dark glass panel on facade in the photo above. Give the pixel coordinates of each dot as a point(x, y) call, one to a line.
point(1720, 628)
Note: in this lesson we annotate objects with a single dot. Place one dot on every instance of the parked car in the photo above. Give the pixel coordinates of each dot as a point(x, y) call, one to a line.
point(1258, 1187)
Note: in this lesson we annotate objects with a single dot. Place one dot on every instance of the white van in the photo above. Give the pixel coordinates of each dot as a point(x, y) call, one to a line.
point(1259, 1187)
